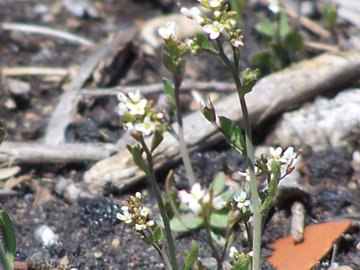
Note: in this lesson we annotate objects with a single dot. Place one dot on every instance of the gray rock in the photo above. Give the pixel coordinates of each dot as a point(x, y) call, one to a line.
point(320, 125)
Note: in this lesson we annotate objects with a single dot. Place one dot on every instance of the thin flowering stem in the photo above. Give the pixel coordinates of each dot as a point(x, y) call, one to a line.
point(155, 189)
point(182, 143)
point(257, 230)
point(214, 251)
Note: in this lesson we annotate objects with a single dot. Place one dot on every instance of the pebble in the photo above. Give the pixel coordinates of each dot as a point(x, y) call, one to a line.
point(46, 236)
point(320, 125)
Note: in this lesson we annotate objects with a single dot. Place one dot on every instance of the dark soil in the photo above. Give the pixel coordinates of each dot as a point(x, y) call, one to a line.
point(90, 236)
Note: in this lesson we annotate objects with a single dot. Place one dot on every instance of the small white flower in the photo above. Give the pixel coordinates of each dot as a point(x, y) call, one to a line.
point(215, 3)
point(274, 6)
point(146, 127)
point(246, 174)
point(193, 198)
point(232, 252)
point(135, 96)
point(138, 195)
point(125, 216)
point(194, 13)
point(237, 43)
point(137, 108)
point(140, 227)
point(214, 29)
point(168, 31)
point(150, 223)
point(122, 98)
point(122, 109)
point(144, 212)
point(129, 126)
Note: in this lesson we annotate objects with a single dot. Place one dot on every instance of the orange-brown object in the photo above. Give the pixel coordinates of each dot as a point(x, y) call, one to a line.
point(318, 240)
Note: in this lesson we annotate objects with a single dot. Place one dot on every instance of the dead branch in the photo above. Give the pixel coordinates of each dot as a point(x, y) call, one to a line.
point(157, 88)
point(42, 30)
point(65, 109)
point(19, 152)
point(280, 91)
point(33, 71)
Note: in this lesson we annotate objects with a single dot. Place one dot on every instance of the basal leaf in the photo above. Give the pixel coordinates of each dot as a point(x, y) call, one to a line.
point(192, 223)
point(218, 184)
point(219, 221)
point(191, 256)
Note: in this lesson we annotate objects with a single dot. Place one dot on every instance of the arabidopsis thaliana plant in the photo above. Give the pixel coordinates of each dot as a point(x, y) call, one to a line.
point(168, 31)
point(214, 29)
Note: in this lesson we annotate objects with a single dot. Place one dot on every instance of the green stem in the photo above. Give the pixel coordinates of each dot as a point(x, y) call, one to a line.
point(255, 198)
point(155, 189)
point(182, 143)
point(214, 251)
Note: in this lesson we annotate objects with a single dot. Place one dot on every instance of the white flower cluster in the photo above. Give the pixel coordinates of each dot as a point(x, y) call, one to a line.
point(134, 214)
point(243, 202)
point(286, 160)
point(138, 114)
point(198, 198)
point(219, 22)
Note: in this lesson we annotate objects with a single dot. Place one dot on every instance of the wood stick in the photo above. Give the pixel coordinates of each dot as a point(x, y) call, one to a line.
point(33, 71)
point(42, 30)
point(157, 88)
point(19, 152)
point(280, 91)
point(66, 108)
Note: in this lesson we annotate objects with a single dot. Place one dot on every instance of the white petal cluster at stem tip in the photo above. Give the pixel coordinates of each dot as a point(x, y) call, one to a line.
point(168, 31)
point(213, 29)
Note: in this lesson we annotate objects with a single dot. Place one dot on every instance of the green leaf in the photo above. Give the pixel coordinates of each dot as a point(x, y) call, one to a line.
point(169, 90)
point(7, 240)
point(266, 27)
point(330, 14)
point(169, 62)
point(243, 264)
point(156, 139)
point(191, 256)
point(284, 25)
point(218, 184)
point(232, 134)
point(136, 152)
point(219, 221)
point(158, 235)
point(218, 238)
point(150, 240)
point(192, 223)
point(293, 42)
point(2, 131)
point(205, 44)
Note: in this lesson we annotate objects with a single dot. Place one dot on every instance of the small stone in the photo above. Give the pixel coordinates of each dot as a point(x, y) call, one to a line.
point(115, 242)
point(98, 254)
point(46, 236)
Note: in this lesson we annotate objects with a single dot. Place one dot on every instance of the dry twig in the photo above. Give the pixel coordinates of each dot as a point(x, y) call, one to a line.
point(42, 30)
point(157, 88)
